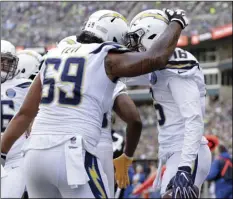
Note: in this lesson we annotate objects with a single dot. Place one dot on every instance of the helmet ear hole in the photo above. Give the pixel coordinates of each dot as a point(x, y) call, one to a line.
point(152, 36)
point(113, 19)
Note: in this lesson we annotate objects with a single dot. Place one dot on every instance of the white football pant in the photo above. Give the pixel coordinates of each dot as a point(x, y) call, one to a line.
point(200, 170)
point(47, 175)
point(13, 185)
point(105, 154)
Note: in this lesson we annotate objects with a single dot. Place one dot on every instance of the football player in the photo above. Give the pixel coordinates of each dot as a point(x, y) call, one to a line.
point(126, 110)
point(13, 90)
point(179, 99)
point(68, 99)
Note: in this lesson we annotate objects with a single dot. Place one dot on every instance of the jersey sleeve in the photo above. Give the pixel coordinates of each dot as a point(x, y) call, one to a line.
point(110, 47)
point(119, 90)
point(182, 63)
point(187, 97)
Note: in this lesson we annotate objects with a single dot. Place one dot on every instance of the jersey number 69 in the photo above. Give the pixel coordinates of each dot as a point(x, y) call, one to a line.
point(68, 79)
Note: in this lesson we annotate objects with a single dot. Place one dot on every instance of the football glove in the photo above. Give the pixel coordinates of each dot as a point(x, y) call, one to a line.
point(182, 184)
point(177, 15)
point(121, 165)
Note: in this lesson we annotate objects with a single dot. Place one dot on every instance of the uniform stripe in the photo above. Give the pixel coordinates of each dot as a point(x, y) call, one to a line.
point(182, 62)
point(106, 44)
point(24, 85)
point(96, 183)
point(182, 65)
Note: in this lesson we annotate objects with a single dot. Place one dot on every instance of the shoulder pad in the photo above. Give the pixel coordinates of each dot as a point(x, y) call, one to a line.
point(182, 59)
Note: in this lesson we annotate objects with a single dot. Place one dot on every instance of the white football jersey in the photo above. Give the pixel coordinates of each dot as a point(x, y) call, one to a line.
point(76, 93)
point(13, 93)
point(175, 91)
point(106, 124)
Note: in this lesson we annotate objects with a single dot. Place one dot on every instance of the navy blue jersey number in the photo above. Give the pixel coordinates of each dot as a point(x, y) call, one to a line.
point(6, 104)
point(65, 78)
point(180, 54)
point(161, 118)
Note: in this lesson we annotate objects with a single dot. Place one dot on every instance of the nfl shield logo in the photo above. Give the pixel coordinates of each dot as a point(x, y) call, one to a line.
point(10, 93)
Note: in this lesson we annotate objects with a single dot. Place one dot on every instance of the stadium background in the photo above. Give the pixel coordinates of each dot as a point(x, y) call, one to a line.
point(39, 25)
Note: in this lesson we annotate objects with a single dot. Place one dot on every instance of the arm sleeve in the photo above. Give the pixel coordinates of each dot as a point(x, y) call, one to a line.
point(187, 97)
point(119, 90)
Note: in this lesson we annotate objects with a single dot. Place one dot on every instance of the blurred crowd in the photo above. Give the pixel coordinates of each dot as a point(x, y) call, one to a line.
point(203, 15)
point(33, 24)
point(218, 121)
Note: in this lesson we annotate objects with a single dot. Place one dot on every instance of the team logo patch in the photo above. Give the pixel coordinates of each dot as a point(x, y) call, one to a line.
point(10, 93)
point(153, 78)
point(96, 182)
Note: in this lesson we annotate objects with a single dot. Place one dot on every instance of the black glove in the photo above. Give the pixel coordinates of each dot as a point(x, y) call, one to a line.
point(182, 184)
point(3, 158)
point(177, 15)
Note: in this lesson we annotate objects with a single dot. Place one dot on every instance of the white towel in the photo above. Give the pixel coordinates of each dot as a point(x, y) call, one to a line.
point(76, 172)
point(157, 182)
point(3, 172)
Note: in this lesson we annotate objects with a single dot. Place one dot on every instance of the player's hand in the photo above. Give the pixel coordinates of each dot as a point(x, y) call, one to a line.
point(121, 165)
point(182, 184)
point(3, 158)
point(177, 15)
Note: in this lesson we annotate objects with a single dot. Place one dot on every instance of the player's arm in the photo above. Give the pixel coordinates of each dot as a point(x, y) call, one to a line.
point(187, 96)
point(127, 111)
point(21, 121)
point(135, 64)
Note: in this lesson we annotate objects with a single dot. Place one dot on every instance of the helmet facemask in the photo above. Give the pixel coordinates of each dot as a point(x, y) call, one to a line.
point(134, 40)
point(145, 28)
point(8, 66)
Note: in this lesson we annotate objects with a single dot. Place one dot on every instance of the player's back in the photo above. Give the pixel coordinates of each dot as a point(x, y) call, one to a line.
point(76, 91)
point(182, 65)
point(13, 93)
